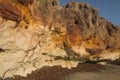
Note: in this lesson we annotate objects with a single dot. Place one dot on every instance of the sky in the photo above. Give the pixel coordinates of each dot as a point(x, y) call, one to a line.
point(109, 9)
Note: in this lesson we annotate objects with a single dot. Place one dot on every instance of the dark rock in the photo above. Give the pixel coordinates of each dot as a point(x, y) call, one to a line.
point(94, 51)
point(26, 2)
point(1, 50)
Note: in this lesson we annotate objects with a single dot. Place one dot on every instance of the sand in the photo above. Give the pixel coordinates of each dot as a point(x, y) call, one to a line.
point(112, 72)
point(81, 72)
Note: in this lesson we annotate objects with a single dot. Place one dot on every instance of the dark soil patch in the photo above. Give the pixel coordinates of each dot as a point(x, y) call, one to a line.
point(59, 73)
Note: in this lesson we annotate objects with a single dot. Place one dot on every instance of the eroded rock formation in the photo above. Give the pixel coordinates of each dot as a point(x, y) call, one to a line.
point(37, 33)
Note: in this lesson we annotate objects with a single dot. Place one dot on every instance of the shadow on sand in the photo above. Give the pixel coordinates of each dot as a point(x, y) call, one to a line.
point(9, 78)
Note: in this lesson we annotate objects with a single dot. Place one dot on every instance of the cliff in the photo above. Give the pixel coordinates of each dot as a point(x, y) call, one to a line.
point(37, 33)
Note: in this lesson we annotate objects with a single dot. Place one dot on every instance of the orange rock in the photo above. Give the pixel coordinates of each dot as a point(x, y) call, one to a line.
point(73, 36)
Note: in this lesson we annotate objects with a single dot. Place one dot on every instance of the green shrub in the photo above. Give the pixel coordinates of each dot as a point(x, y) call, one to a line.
point(43, 1)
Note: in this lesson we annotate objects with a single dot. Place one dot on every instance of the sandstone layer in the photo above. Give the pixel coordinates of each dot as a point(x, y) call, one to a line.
point(37, 33)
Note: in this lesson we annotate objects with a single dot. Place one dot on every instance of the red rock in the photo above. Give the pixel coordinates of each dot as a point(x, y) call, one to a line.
point(9, 11)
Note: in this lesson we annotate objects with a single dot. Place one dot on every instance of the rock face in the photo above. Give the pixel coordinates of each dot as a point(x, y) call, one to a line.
point(37, 33)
